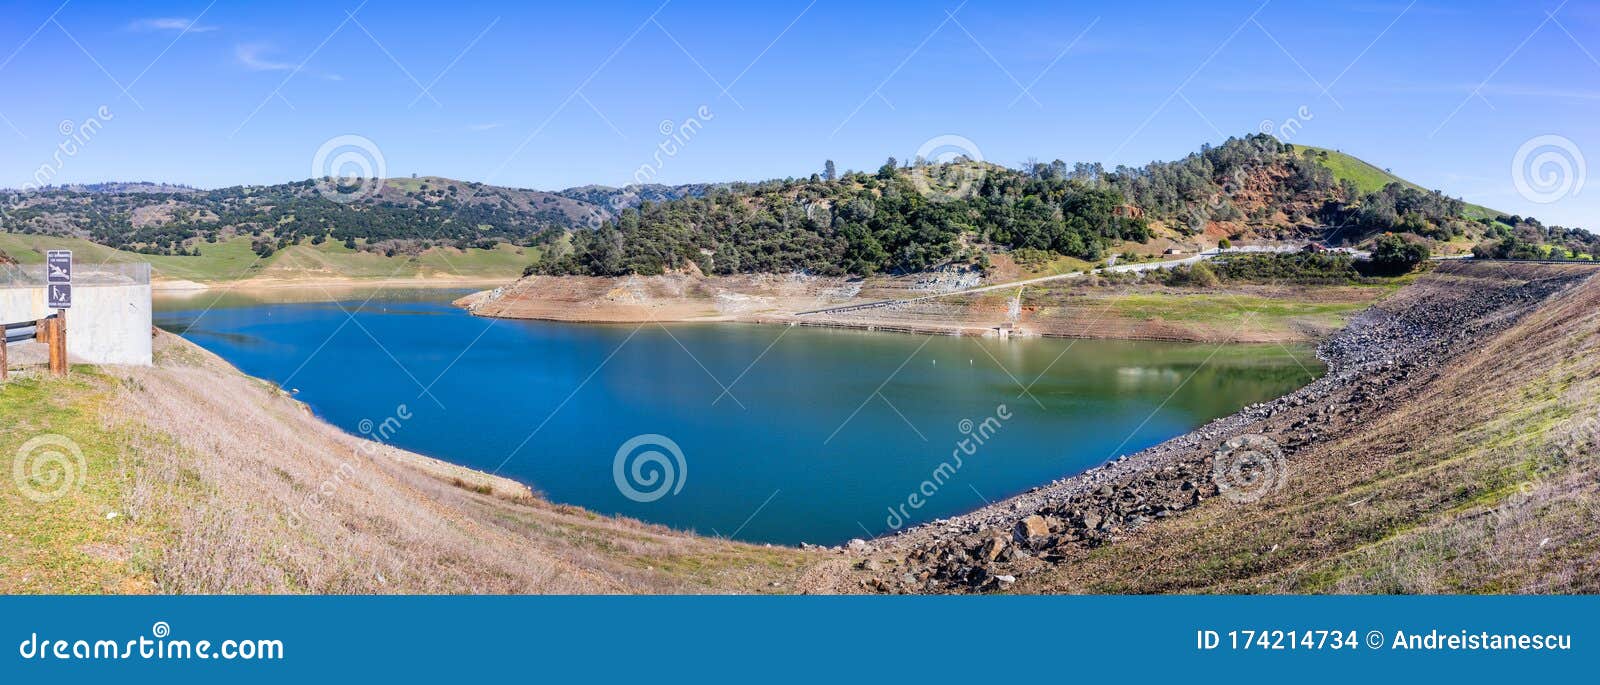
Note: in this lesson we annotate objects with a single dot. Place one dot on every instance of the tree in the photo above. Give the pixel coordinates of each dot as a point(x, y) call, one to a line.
point(1394, 255)
point(829, 172)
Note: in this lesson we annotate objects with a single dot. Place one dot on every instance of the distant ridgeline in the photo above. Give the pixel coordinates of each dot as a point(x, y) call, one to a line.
point(903, 217)
point(400, 215)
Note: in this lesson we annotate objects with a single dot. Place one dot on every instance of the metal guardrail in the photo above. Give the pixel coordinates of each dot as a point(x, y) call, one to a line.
point(21, 334)
point(23, 330)
point(1589, 262)
point(48, 330)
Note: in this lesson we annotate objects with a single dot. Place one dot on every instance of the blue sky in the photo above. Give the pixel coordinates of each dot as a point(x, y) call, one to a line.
point(551, 95)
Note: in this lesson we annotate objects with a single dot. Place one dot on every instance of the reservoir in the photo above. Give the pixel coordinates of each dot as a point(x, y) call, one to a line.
point(754, 432)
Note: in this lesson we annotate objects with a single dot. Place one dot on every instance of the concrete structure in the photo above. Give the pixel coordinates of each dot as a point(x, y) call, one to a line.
point(110, 319)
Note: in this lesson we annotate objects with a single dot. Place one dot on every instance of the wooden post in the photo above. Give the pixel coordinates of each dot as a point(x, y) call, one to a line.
point(60, 339)
point(47, 335)
point(58, 343)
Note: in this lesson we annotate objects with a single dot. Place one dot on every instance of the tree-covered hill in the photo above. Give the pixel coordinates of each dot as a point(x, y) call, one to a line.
point(404, 215)
point(901, 217)
point(859, 224)
point(908, 217)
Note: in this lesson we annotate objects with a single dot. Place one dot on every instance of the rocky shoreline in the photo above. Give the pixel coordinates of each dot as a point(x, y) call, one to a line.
point(1387, 353)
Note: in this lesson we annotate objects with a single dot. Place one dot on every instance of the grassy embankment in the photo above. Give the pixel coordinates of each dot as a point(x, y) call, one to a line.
point(232, 260)
point(85, 541)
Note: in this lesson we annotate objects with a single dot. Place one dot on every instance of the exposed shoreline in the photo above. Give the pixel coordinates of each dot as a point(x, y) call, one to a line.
point(942, 304)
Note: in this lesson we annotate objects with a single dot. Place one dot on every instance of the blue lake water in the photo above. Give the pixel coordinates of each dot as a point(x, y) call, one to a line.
point(770, 433)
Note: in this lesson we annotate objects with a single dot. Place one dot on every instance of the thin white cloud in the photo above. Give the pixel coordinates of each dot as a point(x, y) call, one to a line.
point(254, 57)
point(250, 55)
point(171, 24)
point(488, 126)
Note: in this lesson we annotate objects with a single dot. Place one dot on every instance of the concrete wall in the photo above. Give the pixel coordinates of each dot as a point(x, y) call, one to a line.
point(108, 324)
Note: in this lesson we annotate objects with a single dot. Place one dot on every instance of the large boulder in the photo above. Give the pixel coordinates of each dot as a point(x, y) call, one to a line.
point(1032, 527)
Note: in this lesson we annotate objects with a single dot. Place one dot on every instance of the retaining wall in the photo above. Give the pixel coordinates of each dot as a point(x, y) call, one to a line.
point(110, 319)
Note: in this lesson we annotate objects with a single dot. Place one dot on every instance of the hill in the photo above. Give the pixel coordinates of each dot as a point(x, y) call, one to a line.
point(905, 217)
point(233, 259)
point(914, 216)
point(1369, 178)
point(410, 228)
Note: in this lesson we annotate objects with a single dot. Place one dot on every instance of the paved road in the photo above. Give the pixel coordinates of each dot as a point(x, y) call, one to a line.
point(1122, 268)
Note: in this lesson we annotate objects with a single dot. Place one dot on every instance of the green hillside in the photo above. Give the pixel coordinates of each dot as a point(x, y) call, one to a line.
point(1369, 178)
